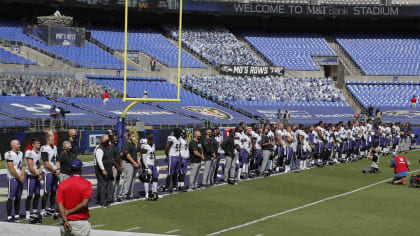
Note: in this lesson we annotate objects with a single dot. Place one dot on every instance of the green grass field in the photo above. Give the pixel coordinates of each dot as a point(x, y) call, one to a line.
point(382, 209)
point(83, 158)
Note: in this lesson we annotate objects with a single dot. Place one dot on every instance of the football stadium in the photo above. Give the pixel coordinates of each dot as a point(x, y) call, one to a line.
point(209, 117)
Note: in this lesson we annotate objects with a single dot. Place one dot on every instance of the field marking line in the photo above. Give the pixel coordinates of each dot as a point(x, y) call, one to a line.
point(172, 231)
point(301, 207)
point(131, 229)
point(96, 226)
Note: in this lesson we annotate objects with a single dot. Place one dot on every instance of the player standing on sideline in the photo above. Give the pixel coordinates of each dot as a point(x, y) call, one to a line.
point(257, 151)
point(272, 139)
point(49, 157)
point(289, 136)
point(130, 164)
point(34, 171)
point(219, 153)
point(73, 141)
point(228, 146)
point(16, 177)
point(280, 146)
point(196, 156)
point(172, 152)
point(247, 153)
point(116, 168)
point(73, 198)
point(64, 160)
point(185, 155)
point(103, 171)
point(267, 148)
point(152, 173)
point(209, 157)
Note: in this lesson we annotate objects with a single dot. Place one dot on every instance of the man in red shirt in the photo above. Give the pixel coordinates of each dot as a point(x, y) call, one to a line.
point(400, 165)
point(105, 97)
point(73, 197)
point(413, 101)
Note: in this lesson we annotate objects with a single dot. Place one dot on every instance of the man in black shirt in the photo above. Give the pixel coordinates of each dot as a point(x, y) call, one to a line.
point(267, 147)
point(64, 160)
point(117, 168)
point(103, 171)
point(129, 164)
point(74, 145)
point(209, 157)
point(228, 145)
point(196, 156)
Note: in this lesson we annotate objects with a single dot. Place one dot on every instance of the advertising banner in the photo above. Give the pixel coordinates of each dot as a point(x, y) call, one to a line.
point(252, 70)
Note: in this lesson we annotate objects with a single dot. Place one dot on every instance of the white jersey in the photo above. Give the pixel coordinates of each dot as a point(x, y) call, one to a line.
point(382, 130)
point(294, 141)
point(322, 133)
point(174, 149)
point(356, 132)
point(305, 144)
point(349, 135)
point(287, 134)
point(17, 159)
point(315, 135)
point(51, 153)
point(238, 139)
point(363, 131)
point(248, 143)
point(219, 141)
point(36, 161)
point(396, 131)
point(257, 141)
point(149, 156)
point(185, 153)
point(388, 132)
point(270, 136)
point(143, 142)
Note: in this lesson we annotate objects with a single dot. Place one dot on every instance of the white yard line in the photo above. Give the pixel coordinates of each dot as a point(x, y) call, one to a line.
point(96, 226)
point(302, 207)
point(131, 229)
point(172, 231)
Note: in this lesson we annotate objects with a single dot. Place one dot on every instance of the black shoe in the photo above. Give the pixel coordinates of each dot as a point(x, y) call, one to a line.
point(11, 220)
point(106, 205)
point(19, 219)
point(119, 200)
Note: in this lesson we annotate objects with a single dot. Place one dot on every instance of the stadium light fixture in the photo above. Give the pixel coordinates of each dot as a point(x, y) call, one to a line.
point(137, 100)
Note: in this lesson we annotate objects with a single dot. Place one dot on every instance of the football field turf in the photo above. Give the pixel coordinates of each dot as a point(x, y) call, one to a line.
point(335, 200)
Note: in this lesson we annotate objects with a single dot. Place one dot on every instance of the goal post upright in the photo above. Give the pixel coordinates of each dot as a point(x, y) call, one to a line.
point(135, 101)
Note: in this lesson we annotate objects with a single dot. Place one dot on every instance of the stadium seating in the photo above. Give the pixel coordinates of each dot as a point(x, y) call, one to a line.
point(383, 53)
point(32, 108)
point(90, 56)
point(11, 58)
point(21, 83)
point(191, 104)
point(215, 44)
point(405, 2)
point(230, 88)
point(300, 112)
point(147, 41)
point(294, 51)
point(384, 94)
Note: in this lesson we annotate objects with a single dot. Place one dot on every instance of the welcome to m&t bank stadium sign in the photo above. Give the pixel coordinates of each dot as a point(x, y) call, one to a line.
point(301, 10)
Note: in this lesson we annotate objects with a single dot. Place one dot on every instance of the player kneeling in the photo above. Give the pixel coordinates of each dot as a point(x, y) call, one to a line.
point(374, 164)
point(150, 174)
point(415, 181)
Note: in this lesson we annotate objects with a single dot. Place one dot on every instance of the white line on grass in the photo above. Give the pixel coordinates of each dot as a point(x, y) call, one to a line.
point(172, 231)
point(301, 207)
point(96, 226)
point(131, 229)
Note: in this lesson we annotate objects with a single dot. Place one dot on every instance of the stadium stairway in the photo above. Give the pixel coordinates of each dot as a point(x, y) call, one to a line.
point(252, 49)
point(212, 68)
point(116, 54)
point(343, 57)
point(41, 59)
point(352, 101)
